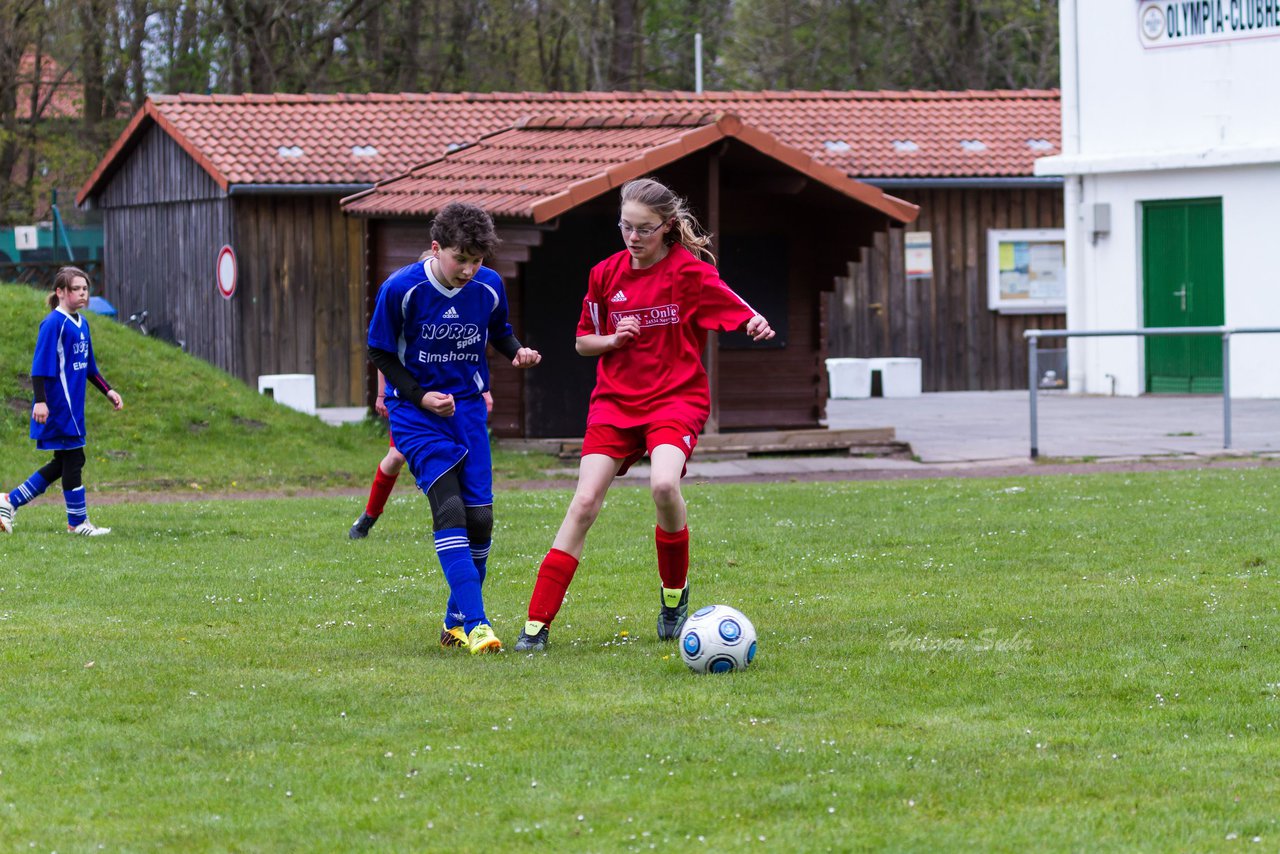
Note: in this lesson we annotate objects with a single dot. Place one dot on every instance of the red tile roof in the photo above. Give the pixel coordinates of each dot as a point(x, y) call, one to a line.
point(546, 165)
point(355, 139)
point(61, 93)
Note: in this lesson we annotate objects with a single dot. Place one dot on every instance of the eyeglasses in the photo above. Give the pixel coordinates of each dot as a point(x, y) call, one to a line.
point(641, 231)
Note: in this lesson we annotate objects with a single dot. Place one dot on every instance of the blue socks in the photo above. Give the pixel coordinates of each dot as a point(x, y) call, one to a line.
point(29, 490)
point(479, 557)
point(77, 511)
point(466, 604)
point(34, 486)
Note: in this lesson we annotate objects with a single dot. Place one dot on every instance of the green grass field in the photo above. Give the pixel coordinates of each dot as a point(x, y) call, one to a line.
point(1052, 663)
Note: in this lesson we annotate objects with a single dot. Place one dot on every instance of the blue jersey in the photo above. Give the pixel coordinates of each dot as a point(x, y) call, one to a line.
point(440, 333)
point(64, 357)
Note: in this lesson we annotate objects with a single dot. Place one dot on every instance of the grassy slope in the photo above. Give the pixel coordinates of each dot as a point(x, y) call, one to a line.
point(237, 676)
point(184, 422)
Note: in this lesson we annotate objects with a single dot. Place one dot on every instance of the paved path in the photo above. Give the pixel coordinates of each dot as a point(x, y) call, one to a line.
point(954, 433)
point(973, 433)
point(972, 426)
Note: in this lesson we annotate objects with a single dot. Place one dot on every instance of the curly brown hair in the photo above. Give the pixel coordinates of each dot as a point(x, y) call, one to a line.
point(466, 227)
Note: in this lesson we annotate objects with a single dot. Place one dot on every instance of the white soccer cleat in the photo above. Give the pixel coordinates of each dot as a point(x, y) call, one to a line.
point(88, 529)
point(6, 514)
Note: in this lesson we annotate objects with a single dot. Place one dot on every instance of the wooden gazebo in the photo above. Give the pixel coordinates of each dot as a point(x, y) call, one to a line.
point(785, 227)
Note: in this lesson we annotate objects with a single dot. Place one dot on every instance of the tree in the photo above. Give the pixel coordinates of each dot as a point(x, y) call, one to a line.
point(26, 23)
point(123, 50)
point(669, 30)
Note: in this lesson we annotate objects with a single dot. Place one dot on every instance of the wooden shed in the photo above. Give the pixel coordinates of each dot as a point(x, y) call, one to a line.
point(784, 226)
point(177, 187)
point(967, 159)
point(263, 174)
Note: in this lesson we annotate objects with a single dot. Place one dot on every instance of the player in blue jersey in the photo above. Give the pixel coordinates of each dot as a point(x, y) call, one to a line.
point(431, 326)
point(61, 368)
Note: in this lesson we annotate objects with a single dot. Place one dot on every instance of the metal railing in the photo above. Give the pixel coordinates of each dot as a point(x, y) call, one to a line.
point(40, 274)
point(1033, 337)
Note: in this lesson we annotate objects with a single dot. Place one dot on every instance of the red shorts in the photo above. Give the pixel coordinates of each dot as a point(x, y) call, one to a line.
point(631, 443)
point(391, 440)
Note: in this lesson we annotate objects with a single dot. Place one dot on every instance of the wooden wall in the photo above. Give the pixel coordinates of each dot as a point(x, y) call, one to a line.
point(164, 220)
point(944, 320)
point(779, 386)
point(157, 170)
point(161, 258)
point(300, 296)
point(299, 302)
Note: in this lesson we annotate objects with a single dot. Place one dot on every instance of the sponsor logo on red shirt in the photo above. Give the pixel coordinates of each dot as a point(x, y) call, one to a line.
point(658, 315)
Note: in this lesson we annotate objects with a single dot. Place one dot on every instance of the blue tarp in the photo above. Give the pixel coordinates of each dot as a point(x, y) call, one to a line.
point(99, 305)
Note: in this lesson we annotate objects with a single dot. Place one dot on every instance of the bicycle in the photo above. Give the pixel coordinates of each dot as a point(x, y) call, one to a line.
point(162, 331)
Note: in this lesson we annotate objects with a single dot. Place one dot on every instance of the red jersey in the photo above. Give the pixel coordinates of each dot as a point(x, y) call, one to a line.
point(659, 375)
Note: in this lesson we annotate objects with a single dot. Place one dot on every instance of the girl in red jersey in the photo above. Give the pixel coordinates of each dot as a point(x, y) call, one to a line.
point(646, 315)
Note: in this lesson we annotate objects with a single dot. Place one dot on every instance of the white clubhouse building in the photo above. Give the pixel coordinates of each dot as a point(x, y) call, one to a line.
point(1171, 167)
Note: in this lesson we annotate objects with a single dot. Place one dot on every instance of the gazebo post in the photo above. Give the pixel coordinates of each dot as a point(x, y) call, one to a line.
point(711, 357)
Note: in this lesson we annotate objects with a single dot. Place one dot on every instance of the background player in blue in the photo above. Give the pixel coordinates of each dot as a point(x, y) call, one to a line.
point(63, 364)
point(431, 325)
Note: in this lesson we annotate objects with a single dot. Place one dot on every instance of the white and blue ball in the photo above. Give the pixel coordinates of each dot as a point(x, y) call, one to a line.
point(717, 639)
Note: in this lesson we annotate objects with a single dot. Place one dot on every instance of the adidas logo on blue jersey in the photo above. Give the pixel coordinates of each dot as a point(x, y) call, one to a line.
point(451, 314)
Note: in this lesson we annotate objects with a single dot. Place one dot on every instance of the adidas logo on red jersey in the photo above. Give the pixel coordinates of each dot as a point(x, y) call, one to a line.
point(618, 297)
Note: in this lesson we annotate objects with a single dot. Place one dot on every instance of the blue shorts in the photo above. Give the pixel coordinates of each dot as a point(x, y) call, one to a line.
point(432, 445)
point(58, 443)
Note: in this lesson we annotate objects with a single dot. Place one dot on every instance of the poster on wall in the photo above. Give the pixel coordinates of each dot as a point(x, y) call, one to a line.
point(918, 246)
point(1026, 271)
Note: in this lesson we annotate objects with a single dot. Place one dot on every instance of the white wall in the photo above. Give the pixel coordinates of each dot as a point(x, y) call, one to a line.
point(1180, 122)
point(1112, 273)
point(1180, 97)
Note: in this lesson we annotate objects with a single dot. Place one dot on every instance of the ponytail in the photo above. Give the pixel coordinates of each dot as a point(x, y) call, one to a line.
point(685, 228)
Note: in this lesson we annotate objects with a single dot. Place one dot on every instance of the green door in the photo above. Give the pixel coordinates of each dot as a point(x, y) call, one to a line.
point(1182, 286)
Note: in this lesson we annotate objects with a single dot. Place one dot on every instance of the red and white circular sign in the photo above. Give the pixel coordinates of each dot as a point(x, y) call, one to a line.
point(226, 272)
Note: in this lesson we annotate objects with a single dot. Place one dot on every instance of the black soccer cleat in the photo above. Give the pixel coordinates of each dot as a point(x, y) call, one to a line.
point(360, 529)
point(535, 640)
point(671, 618)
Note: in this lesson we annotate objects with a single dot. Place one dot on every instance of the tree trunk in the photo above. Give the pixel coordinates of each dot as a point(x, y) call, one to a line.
point(22, 20)
point(34, 107)
point(622, 53)
point(411, 54)
point(256, 37)
point(229, 77)
point(187, 73)
point(137, 37)
point(92, 71)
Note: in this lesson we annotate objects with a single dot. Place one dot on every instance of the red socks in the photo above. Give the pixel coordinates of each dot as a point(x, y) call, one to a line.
point(383, 483)
point(673, 557)
point(553, 581)
point(558, 568)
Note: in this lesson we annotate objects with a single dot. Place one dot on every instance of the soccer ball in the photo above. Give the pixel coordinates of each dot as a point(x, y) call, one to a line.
point(717, 639)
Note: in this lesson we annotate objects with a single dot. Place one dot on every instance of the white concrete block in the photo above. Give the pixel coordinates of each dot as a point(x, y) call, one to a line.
point(296, 391)
point(899, 377)
point(849, 378)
